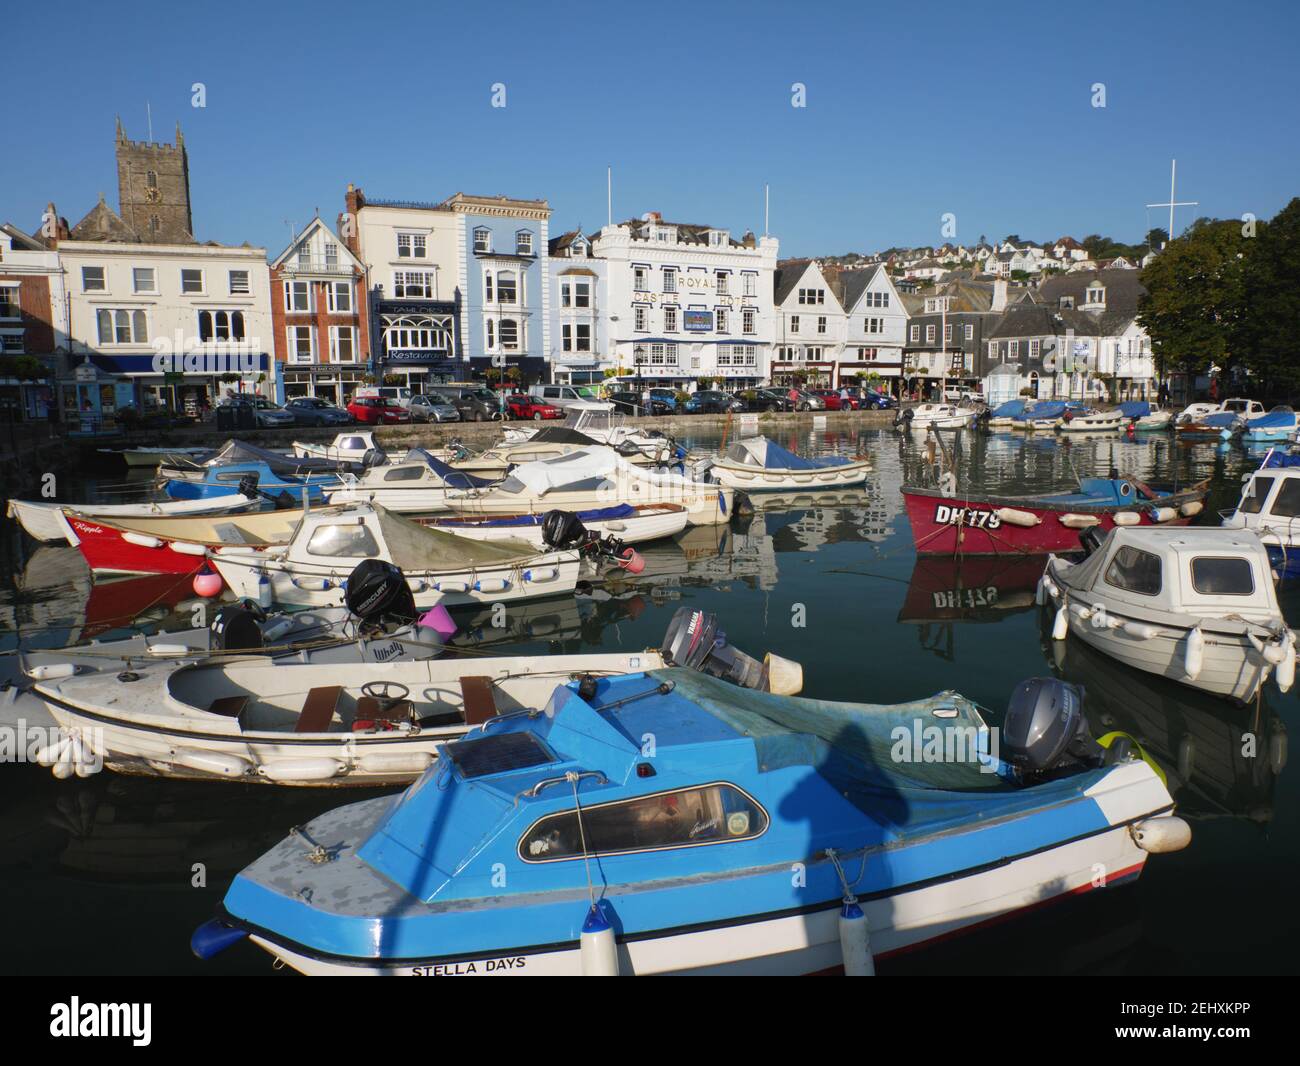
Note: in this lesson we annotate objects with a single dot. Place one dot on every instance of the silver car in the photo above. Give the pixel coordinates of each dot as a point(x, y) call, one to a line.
point(432, 409)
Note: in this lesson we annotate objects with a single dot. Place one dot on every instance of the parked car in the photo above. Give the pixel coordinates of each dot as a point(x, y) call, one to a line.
point(832, 400)
point(956, 393)
point(376, 410)
point(772, 400)
point(266, 414)
point(432, 408)
point(808, 401)
point(630, 403)
point(874, 400)
point(668, 396)
point(473, 402)
point(521, 405)
point(313, 411)
point(710, 401)
point(398, 394)
point(563, 395)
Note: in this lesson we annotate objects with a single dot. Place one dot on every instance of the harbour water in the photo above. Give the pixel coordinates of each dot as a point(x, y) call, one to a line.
point(109, 875)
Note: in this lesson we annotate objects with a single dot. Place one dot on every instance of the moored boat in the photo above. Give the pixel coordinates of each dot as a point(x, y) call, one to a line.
point(629, 524)
point(935, 415)
point(757, 464)
point(1092, 421)
point(1270, 507)
point(973, 523)
point(487, 864)
point(1004, 415)
point(1279, 424)
point(1146, 417)
point(44, 520)
point(1196, 606)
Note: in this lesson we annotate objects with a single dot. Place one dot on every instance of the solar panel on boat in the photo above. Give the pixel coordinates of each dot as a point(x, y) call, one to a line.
point(497, 754)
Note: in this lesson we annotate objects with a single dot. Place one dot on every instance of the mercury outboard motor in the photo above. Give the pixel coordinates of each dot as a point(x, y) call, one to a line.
point(904, 416)
point(1045, 733)
point(563, 529)
point(237, 627)
point(694, 641)
point(378, 594)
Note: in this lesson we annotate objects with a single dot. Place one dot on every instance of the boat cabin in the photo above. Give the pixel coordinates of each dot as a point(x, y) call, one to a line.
point(1270, 498)
point(1201, 571)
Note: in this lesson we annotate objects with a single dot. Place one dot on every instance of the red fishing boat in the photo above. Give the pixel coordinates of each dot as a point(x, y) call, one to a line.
point(967, 523)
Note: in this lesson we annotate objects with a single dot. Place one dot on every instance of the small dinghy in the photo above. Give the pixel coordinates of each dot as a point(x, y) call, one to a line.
point(1146, 417)
point(1004, 415)
point(593, 478)
point(1194, 605)
point(45, 521)
point(555, 843)
point(311, 568)
point(757, 464)
point(946, 521)
point(936, 415)
point(374, 723)
point(1279, 424)
point(629, 524)
point(1040, 415)
point(240, 453)
point(1092, 421)
point(1270, 508)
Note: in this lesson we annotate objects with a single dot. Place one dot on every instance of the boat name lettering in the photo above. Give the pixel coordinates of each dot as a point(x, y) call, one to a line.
point(946, 515)
point(383, 655)
point(464, 969)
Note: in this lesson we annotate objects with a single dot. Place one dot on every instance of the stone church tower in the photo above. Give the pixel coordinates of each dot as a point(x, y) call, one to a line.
point(153, 189)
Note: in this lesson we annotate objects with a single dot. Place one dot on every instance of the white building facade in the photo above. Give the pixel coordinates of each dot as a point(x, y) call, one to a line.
point(810, 326)
point(875, 326)
point(686, 302)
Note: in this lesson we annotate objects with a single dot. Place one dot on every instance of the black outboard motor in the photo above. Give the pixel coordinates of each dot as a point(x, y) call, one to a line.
point(904, 416)
point(694, 641)
point(378, 594)
point(248, 486)
point(237, 627)
point(1091, 539)
point(563, 529)
point(1045, 734)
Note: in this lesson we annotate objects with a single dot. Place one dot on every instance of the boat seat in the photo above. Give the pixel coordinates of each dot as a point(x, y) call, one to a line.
point(318, 709)
point(230, 707)
point(480, 701)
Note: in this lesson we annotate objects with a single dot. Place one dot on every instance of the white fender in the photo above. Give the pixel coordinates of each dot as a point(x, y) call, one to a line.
point(1285, 675)
point(1141, 630)
point(1079, 521)
point(597, 948)
point(51, 754)
point(784, 676)
point(1277, 744)
point(1160, 835)
point(545, 573)
point(169, 649)
point(1194, 655)
point(1040, 591)
point(141, 539)
point(185, 548)
point(1192, 507)
point(1061, 625)
point(304, 769)
point(451, 586)
point(1099, 618)
point(855, 941)
point(1081, 612)
point(1126, 518)
point(52, 671)
point(1163, 514)
point(395, 762)
point(264, 593)
point(491, 584)
point(212, 762)
point(1013, 517)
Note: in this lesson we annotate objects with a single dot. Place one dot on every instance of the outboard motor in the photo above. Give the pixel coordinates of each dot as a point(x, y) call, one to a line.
point(248, 486)
point(378, 594)
point(904, 416)
point(694, 641)
point(237, 627)
point(374, 457)
point(1044, 733)
point(563, 529)
point(1091, 539)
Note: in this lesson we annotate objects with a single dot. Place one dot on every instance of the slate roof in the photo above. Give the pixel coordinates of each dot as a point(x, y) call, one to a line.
point(851, 284)
point(102, 223)
point(788, 273)
point(1123, 291)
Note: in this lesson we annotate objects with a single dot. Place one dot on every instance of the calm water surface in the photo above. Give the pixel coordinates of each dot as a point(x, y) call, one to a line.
point(97, 874)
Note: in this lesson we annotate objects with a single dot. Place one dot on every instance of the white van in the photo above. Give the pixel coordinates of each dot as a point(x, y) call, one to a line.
point(398, 394)
point(563, 395)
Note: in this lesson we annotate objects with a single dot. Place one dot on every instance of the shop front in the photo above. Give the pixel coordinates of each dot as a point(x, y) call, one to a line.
point(330, 382)
point(189, 384)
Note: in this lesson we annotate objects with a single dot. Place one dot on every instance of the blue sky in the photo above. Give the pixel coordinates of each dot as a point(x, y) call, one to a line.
point(912, 111)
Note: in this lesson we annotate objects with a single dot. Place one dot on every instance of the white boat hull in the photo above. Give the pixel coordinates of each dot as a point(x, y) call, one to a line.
point(757, 479)
point(1093, 424)
point(45, 521)
point(649, 524)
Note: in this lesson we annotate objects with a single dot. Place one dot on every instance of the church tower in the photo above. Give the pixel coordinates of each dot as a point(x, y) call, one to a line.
point(153, 189)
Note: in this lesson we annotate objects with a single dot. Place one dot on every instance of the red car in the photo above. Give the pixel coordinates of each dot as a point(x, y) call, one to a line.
point(521, 405)
point(375, 410)
point(835, 402)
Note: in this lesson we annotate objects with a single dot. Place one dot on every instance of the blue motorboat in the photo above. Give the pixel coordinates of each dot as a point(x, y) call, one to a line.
point(671, 822)
point(258, 478)
point(1005, 412)
point(1279, 424)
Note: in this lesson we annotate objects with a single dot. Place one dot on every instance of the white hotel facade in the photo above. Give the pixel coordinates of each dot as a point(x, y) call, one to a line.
point(684, 302)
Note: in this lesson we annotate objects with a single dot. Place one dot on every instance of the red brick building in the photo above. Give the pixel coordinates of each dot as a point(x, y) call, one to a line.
point(319, 315)
point(31, 303)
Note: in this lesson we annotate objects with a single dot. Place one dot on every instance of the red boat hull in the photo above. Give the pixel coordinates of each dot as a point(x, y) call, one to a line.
point(106, 550)
point(971, 525)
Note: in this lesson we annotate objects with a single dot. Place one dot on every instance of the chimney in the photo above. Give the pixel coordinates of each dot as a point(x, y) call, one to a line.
point(353, 200)
point(748, 239)
point(999, 295)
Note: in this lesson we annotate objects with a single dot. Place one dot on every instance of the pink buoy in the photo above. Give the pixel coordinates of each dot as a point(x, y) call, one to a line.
point(207, 582)
point(438, 618)
point(632, 561)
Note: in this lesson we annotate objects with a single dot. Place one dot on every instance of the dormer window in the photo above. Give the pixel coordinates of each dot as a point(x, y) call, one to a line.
point(1095, 296)
point(482, 240)
point(578, 249)
point(718, 237)
point(1067, 303)
point(523, 242)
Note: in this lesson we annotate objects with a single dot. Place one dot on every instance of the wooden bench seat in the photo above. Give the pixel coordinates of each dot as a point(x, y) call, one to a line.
point(479, 700)
point(230, 707)
point(318, 709)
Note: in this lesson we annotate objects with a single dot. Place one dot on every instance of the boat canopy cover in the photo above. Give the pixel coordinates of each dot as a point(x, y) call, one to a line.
point(562, 435)
point(451, 477)
point(578, 469)
point(1044, 409)
point(1276, 459)
point(1135, 408)
point(1221, 419)
point(238, 451)
point(1278, 418)
point(414, 547)
point(759, 451)
point(1010, 409)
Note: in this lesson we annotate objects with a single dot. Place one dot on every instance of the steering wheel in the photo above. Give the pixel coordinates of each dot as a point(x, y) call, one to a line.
point(385, 690)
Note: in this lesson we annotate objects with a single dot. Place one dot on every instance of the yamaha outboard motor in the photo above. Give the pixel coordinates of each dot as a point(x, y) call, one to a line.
point(1045, 733)
point(563, 529)
point(378, 594)
point(237, 627)
point(694, 641)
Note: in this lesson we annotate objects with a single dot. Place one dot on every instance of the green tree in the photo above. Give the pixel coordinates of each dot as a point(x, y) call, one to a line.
point(1194, 298)
point(1264, 332)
